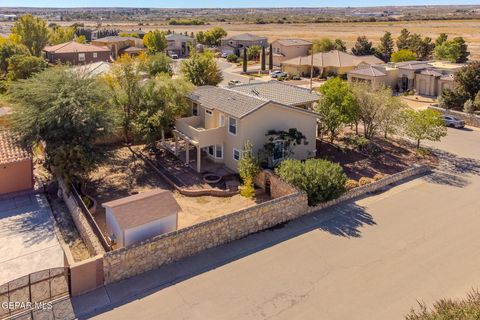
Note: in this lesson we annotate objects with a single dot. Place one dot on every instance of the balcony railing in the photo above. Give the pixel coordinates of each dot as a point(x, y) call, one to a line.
point(193, 128)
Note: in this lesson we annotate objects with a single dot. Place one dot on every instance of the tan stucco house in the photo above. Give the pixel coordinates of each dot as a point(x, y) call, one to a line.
point(286, 49)
point(237, 43)
point(120, 45)
point(178, 44)
point(427, 78)
point(75, 53)
point(223, 119)
point(325, 63)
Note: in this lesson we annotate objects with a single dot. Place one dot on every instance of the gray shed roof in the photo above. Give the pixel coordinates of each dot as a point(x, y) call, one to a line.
point(278, 91)
point(179, 37)
point(371, 71)
point(247, 37)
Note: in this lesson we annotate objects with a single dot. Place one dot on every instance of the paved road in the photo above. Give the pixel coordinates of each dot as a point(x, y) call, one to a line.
point(228, 74)
point(27, 238)
point(368, 259)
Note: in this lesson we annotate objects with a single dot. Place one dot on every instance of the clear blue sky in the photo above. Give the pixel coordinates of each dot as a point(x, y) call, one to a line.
point(221, 3)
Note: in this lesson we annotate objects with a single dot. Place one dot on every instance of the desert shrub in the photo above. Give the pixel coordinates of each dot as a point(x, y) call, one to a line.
point(322, 180)
point(364, 181)
point(350, 184)
point(248, 190)
point(378, 176)
point(469, 106)
point(232, 57)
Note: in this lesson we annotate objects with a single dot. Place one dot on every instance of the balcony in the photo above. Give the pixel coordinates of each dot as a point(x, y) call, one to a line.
point(194, 131)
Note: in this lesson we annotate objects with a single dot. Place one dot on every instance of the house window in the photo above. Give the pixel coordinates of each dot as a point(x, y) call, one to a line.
point(236, 154)
point(278, 151)
point(211, 150)
point(232, 126)
point(81, 57)
point(221, 120)
point(195, 109)
point(208, 112)
point(218, 151)
point(95, 55)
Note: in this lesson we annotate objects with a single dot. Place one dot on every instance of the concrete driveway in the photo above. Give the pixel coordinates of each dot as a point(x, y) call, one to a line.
point(27, 239)
point(368, 259)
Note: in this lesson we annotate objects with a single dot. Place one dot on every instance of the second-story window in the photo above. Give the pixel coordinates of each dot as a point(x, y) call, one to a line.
point(195, 109)
point(232, 126)
point(208, 112)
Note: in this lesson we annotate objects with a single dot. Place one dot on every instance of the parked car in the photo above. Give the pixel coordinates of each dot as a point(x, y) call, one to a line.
point(296, 78)
point(453, 122)
point(174, 56)
point(233, 82)
point(224, 55)
point(279, 74)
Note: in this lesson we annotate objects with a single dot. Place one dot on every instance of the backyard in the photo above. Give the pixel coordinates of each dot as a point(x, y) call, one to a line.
point(123, 174)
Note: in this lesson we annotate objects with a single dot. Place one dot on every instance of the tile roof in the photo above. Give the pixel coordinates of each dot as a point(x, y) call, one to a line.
point(413, 65)
point(142, 208)
point(115, 39)
point(333, 58)
point(133, 49)
point(73, 46)
point(94, 69)
point(277, 91)
point(226, 100)
point(370, 71)
point(10, 151)
point(293, 42)
point(179, 37)
point(247, 37)
point(431, 72)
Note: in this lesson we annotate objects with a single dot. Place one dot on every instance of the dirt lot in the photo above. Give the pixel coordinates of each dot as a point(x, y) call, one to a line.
point(388, 157)
point(122, 174)
point(345, 31)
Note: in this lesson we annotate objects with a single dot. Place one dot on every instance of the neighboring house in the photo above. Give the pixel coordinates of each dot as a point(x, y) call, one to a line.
point(178, 44)
point(118, 45)
point(75, 53)
point(286, 49)
point(327, 63)
point(236, 43)
point(427, 78)
point(223, 119)
point(138, 32)
point(140, 217)
point(16, 165)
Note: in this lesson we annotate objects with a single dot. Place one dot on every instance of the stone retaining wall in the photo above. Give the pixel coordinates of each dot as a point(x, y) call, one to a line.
point(372, 187)
point(88, 235)
point(153, 253)
point(470, 119)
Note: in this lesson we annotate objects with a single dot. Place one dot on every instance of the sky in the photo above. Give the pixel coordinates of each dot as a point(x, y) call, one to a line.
point(222, 3)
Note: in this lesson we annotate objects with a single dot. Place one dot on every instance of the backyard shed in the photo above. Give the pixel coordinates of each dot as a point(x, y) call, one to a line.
point(142, 216)
point(16, 165)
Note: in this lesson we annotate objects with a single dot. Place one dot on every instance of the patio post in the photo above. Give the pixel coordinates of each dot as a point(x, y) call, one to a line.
point(175, 137)
point(199, 158)
point(187, 153)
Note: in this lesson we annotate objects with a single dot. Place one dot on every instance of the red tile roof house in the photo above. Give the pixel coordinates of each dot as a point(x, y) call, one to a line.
point(75, 53)
point(16, 165)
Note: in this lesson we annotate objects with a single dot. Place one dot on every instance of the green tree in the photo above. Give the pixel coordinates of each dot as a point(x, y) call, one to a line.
point(363, 47)
point(162, 100)
point(402, 40)
point(442, 37)
point(61, 35)
point(403, 55)
point(469, 106)
point(248, 168)
point(340, 45)
point(390, 117)
point(201, 69)
point(155, 41)
point(423, 48)
point(452, 50)
point(322, 45)
point(124, 89)
point(211, 37)
point(66, 111)
point(468, 79)
point(159, 63)
point(232, 57)
point(31, 32)
point(385, 48)
point(422, 125)
point(253, 52)
point(9, 49)
point(22, 67)
point(263, 66)
point(453, 99)
point(270, 58)
point(476, 102)
point(322, 180)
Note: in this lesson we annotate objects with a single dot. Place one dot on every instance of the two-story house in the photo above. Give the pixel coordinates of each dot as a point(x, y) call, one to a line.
point(285, 49)
point(223, 119)
point(120, 45)
point(178, 45)
point(235, 44)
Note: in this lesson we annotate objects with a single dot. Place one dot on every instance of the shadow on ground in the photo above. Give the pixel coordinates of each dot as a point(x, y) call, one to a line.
point(345, 220)
point(453, 170)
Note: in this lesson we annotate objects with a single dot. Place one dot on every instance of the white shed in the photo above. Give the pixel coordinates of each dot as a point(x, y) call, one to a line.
point(142, 216)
